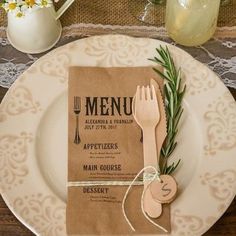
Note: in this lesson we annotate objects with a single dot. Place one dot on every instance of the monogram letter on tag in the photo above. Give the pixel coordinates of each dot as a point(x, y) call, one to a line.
point(164, 191)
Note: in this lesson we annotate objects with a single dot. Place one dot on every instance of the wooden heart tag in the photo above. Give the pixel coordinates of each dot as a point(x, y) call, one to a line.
point(164, 191)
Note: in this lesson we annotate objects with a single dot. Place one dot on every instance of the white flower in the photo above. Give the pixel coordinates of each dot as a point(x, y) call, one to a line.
point(44, 3)
point(20, 2)
point(21, 7)
point(24, 8)
point(10, 5)
point(18, 12)
point(31, 4)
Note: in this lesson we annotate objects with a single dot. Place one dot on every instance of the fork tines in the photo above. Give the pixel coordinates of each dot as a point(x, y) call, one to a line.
point(77, 103)
point(146, 93)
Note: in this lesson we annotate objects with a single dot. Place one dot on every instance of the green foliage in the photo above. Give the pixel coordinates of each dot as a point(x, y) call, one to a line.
point(174, 94)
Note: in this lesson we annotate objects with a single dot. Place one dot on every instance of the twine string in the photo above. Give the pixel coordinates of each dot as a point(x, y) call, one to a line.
point(147, 176)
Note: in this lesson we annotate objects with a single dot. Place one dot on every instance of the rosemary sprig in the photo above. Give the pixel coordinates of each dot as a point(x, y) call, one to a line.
point(173, 103)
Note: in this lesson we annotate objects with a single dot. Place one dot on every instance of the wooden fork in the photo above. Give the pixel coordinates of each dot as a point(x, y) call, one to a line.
point(147, 115)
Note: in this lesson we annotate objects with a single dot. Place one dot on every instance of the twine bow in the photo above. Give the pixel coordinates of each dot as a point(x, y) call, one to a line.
point(146, 177)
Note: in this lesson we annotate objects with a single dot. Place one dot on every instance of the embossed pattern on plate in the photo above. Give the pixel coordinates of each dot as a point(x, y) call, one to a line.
point(33, 180)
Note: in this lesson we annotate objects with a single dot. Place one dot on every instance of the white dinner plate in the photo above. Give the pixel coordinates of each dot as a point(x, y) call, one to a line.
point(33, 136)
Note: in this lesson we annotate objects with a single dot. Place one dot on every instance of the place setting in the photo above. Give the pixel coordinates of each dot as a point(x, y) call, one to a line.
point(115, 134)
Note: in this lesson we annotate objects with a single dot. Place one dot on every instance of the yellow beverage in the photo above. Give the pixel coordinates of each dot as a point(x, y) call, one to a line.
point(191, 22)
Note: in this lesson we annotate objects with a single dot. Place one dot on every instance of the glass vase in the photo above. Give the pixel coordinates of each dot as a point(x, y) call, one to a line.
point(148, 11)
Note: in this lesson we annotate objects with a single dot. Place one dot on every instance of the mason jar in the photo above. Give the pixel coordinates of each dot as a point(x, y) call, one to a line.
point(191, 22)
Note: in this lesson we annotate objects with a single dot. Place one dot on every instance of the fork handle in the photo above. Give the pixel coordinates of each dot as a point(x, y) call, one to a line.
point(151, 207)
point(150, 148)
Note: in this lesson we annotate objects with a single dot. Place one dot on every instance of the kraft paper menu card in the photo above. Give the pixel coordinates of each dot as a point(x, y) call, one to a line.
point(104, 146)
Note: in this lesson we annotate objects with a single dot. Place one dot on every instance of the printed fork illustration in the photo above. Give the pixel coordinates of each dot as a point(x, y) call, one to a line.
point(77, 109)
